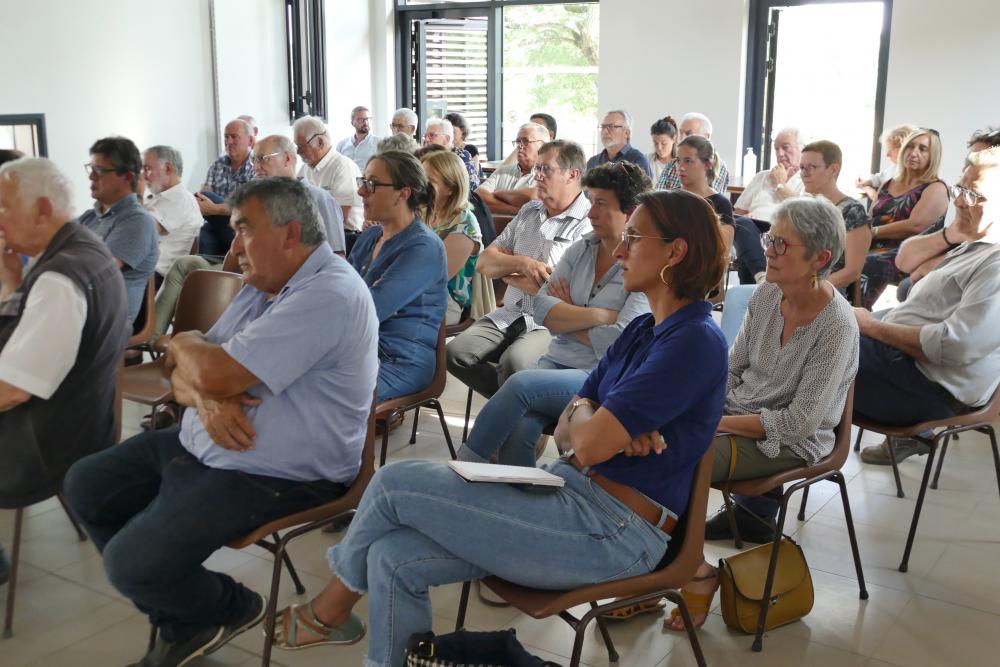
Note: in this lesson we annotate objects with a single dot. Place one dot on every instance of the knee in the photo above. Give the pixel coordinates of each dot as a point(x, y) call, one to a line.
point(127, 566)
point(458, 354)
point(80, 485)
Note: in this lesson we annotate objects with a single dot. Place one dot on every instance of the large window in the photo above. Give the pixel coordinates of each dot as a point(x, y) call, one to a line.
point(498, 61)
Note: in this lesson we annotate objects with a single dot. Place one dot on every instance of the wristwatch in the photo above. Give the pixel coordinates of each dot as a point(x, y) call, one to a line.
point(577, 403)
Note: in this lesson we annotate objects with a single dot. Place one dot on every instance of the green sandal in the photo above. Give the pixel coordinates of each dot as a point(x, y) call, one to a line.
point(286, 631)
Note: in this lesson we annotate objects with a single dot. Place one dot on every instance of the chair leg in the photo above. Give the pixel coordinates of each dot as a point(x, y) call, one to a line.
point(891, 446)
point(802, 507)
point(445, 430)
point(937, 473)
point(385, 443)
point(468, 413)
point(758, 642)
point(279, 550)
point(15, 553)
point(996, 453)
point(416, 418)
point(857, 440)
point(463, 606)
point(849, 519)
point(270, 612)
point(692, 632)
point(612, 653)
point(733, 528)
point(82, 536)
point(905, 563)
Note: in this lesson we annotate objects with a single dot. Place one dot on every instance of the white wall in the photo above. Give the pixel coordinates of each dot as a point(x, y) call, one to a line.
point(102, 67)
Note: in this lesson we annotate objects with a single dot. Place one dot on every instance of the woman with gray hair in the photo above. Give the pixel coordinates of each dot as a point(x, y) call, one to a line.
point(787, 391)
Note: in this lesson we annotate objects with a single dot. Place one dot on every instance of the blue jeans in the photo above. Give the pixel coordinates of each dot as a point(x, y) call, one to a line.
point(156, 513)
point(512, 420)
point(419, 524)
point(750, 259)
point(216, 235)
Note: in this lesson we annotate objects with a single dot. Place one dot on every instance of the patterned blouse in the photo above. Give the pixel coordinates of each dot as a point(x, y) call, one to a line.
point(854, 217)
point(888, 209)
point(460, 285)
point(798, 388)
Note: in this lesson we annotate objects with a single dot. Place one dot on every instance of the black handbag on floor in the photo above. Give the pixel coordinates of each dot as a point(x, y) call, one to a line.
point(470, 649)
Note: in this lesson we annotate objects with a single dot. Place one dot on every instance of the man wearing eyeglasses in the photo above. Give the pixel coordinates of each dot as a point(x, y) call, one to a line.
point(326, 168)
point(616, 132)
point(404, 121)
point(511, 186)
point(361, 145)
point(508, 339)
point(126, 228)
point(938, 353)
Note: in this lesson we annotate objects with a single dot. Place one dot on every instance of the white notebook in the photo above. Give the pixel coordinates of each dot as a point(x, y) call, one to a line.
point(491, 472)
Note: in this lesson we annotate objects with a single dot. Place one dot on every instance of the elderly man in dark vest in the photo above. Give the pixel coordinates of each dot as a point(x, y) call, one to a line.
point(62, 332)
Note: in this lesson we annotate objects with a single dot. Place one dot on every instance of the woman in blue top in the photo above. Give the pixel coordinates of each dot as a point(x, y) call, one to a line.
point(419, 524)
point(403, 263)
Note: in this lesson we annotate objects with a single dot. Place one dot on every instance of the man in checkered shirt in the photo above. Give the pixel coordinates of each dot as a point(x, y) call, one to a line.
point(523, 255)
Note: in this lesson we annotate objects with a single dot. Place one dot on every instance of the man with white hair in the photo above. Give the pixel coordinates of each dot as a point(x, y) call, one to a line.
point(361, 145)
point(699, 124)
point(224, 175)
point(175, 210)
point(404, 121)
point(326, 168)
point(440, 131)
point(616, 135)
point(62, 331)
point(511, 186)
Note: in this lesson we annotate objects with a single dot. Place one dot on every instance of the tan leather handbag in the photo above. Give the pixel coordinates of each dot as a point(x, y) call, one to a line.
point(742, 576)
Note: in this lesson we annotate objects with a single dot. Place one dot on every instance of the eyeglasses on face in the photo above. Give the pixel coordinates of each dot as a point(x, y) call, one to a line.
point(525, 142)
point(97, 171)
point(261, 159)
point(397, 127)
point(810, 168)
point(301, 147)
point(609, 126)
point(544, 170)
point(779, 244)
point(369, 184)
point(971, 197)
point(628, 238)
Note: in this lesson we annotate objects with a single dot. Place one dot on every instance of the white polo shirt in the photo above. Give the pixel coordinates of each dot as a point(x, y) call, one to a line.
point(338, 175)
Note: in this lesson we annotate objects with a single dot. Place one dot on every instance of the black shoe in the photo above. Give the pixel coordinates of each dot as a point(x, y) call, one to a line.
point(752, 527)
point(251, 617)
point(175, 654)
point(4, 567)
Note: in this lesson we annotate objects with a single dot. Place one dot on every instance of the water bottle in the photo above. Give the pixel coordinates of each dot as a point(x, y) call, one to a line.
point(749, 166)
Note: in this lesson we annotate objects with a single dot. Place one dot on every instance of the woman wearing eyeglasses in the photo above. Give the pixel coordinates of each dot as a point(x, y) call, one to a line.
point(913, 202)
point(641, 422)
point(585, 304)
point(789, 373)
point(695, 156)
point(403, 263)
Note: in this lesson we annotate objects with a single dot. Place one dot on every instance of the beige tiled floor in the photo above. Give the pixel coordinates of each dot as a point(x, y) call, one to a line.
point(944, 611)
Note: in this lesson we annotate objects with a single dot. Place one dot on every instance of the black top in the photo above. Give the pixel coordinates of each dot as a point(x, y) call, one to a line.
point(722, 206)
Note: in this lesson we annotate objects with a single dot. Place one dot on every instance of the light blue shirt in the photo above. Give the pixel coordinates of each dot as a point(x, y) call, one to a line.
point(360, 153)
point(577, 268)
point(331, 213)
point(314, 348)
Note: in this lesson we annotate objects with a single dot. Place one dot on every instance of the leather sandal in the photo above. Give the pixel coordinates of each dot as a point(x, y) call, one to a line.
point(697, 603)
point(625, 613)
point(286, 631)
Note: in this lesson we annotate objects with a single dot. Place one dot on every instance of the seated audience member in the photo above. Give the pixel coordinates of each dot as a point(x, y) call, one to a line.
point(62, 332)
point(892, 140)
point(404, 265)
point(405, 122)
point(511, 186)
point(275, 156)
point(820, 167)
point(326, 168)
point(361, 145)
point(913, 202)
point(789, 373)
point(756, 204)
point(694, 167)
point(591, 529)
point(938, 353)
point(175, 210)
point(546, 121)
point(450, 217)
point(461, 128)
point(118, 219)
point(398, 142)
point(509, 339)
point(159, 504)
point(252, 122)
point(616, 135)
point(441, 132)
point(697, 124)
point(225, 175)
point(664, 135)
point(427, 149)
point(585, 304)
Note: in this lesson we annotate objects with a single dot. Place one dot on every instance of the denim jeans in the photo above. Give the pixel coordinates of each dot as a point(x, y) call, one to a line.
point(750, 259)
point(512, 420)
point(156, 513)
point(419, 524)
point(216, 235)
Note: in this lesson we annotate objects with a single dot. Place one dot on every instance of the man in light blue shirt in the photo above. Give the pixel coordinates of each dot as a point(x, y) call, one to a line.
point(361, 145)
point(278, 395)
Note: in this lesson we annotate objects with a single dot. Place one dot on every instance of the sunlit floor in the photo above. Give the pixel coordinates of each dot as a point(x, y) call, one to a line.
point(944, 611)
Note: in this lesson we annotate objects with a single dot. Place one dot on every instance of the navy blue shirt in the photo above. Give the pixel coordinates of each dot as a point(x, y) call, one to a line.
point(670, 378)
point(626, 154)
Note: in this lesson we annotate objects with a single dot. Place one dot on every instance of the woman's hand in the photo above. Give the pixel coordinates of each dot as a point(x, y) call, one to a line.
point(646, 443)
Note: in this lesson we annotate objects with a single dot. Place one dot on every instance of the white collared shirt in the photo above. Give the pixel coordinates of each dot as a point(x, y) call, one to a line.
point(338, 175)
point(176, 210)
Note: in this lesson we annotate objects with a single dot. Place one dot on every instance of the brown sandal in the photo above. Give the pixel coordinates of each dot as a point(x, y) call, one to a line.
point(697, 603)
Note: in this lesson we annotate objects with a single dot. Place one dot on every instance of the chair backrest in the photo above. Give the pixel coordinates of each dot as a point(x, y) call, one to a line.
point(441, 364)
point(484, 217)
point(148, 329)
point(842, 435)
point(204, 296)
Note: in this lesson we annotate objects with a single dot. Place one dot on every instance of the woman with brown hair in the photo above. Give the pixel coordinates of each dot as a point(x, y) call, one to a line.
point(664, 135)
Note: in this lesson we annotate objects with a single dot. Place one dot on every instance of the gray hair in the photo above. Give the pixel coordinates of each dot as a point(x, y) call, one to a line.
point(793, 131)
point(39, 178)
point(168, 154)
point(280, 141)
point(242, 121)
point(706, 124)
point(249, 120)
point(285, 199)
point(818, 223)
point(625, 115)
point(397, 142)
point(308, 126)
point(539, 131)
point(409, 115)
point(447, 128)
point(356, 109)
point(569, 156)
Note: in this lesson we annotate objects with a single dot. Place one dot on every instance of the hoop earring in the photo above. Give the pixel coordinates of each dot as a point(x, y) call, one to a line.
point(666, 268)
point(815, 280)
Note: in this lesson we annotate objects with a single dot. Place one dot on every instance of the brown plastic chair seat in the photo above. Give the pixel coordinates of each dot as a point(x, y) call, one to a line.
point(147, 384)
point(145, 335)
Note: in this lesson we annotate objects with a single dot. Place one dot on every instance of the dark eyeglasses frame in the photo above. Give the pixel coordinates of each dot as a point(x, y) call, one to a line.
point(370, 184)
point(779, 244)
